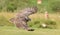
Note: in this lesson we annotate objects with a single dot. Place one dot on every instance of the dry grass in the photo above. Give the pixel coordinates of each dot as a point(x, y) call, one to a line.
point(54, 17)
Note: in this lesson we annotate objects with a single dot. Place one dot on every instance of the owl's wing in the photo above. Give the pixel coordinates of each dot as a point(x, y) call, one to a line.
point(12, 20)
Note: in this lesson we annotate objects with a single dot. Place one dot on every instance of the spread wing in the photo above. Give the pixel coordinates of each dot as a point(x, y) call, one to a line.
point(19, 24)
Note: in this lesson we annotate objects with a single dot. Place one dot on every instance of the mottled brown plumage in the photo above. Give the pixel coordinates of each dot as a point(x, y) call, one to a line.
point(22, 18)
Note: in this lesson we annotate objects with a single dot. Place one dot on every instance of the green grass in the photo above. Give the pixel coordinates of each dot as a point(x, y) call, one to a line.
point(14, 31)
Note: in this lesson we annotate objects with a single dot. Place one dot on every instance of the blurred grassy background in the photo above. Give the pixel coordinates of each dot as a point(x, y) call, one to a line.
point(8, 9)
point(13, 5)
